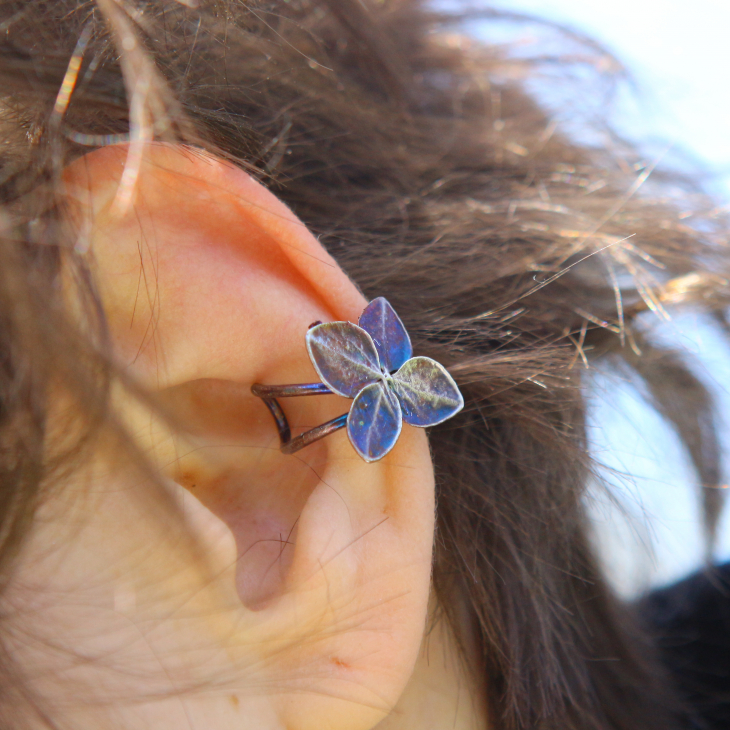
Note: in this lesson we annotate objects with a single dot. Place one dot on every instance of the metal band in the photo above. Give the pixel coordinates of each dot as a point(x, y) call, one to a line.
point(289, 445)
point(289, 391)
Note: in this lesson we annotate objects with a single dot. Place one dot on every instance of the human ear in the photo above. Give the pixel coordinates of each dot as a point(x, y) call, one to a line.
point(209, 283)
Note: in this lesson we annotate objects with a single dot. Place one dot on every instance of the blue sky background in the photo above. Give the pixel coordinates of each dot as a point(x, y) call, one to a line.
point(679, 55)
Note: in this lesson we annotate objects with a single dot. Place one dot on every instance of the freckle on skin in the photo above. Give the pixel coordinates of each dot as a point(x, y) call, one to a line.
point(234, 700)
point(187, 479)
point(339, 663)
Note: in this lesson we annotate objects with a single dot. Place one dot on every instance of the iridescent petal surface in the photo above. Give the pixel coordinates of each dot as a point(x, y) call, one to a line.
point(428, 394)
point(374, 422)
point(384, 326)
point(344, 357)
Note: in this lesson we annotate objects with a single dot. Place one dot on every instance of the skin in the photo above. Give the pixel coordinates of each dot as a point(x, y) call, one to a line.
point(228, 586)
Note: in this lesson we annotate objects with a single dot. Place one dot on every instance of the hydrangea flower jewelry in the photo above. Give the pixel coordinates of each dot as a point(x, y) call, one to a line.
point(372, 363)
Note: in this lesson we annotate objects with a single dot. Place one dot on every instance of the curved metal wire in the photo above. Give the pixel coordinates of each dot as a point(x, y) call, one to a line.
point(289, 445)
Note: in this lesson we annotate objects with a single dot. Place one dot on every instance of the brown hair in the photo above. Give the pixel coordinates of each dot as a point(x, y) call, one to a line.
point(513, 254)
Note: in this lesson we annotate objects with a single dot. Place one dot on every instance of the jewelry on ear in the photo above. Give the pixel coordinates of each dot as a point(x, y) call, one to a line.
point(371, 362)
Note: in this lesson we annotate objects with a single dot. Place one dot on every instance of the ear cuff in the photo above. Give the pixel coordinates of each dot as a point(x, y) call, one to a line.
point(371, 362)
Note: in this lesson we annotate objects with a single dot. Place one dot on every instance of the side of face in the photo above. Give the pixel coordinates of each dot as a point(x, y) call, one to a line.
point(219, 582)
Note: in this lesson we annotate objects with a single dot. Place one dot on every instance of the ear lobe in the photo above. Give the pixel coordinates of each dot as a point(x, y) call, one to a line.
point(209, 284)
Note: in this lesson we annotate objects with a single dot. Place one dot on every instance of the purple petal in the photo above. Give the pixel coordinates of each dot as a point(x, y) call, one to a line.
point(388, 333)
point(344, 357)
point(374, 422)
point(428, 394)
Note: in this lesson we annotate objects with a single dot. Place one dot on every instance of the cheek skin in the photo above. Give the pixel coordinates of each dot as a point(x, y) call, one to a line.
point(298, 583)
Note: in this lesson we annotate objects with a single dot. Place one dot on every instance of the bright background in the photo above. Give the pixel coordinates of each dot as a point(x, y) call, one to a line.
point(679, 55)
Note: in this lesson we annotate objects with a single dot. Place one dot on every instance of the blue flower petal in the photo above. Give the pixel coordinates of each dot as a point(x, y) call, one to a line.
point(374, 422)
point(428, 394)
point(388, 333)
point(344, 357)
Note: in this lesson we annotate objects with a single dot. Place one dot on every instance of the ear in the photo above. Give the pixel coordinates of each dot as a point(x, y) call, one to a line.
point(209, 284)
